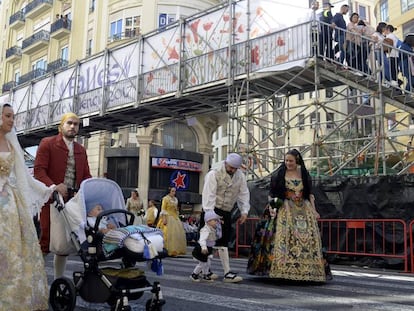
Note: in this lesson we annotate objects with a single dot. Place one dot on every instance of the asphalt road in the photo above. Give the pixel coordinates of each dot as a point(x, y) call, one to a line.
point(352, 288)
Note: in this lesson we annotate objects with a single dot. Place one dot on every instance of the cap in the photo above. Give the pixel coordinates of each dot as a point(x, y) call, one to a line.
point(234, 160)
point(328, 4)
point(209, 215)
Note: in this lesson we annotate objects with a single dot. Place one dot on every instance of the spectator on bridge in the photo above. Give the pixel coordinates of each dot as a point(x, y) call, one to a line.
point(393, 55)
point(224, 186)
point(171, 226)
point(379, 53)
point(63, 162)
point(325, 36)
point(407, 66)
point(340, 32)
point(23, 282)
point(297, 253)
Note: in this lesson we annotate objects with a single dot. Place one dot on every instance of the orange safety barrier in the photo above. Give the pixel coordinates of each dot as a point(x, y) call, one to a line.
point(411, 228)
point(244, 233)
point(366, 237)
point(359, 237)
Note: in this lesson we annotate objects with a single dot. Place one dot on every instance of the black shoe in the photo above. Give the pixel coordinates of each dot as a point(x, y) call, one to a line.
point(328, 272)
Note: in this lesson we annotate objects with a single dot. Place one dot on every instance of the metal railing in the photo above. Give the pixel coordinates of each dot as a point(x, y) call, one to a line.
point(32, 75)
point(34, 4)
point(14, 50)
point(61, 23)
point(41, 35)
point(57, 64)
point(18, 16)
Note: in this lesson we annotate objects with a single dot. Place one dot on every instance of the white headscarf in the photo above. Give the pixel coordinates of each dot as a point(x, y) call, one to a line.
point(33, 192)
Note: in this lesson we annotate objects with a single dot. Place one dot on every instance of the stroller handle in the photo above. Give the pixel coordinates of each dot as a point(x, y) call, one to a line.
point(115, 211)
point(59, 203)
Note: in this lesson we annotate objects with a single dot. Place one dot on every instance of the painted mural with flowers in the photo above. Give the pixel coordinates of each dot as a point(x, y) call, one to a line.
point(204, 44)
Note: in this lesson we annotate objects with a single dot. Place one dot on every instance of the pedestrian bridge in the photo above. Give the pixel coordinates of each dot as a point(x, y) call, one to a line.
point(230, 54)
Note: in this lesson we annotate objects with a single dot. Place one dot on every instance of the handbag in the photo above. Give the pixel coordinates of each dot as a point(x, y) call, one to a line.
point(150, 252)
point(60, 241)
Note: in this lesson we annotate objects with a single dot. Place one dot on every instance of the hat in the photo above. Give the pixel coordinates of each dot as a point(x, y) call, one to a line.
point(234, 160)
point(209, 215)
point(328, 3)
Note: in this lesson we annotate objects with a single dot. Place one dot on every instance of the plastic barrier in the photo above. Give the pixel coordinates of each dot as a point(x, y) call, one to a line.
point(244, 233)
point(358, 237)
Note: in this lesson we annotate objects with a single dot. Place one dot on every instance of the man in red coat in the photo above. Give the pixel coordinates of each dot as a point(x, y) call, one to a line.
point(62, 162)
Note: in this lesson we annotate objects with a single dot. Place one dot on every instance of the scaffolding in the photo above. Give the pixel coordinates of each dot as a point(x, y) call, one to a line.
point(355, 123)
point(254, 61)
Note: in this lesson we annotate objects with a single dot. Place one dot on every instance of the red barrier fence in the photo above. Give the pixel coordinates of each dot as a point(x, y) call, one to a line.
point(244, 233)
point(411, 228)
point(357, 237)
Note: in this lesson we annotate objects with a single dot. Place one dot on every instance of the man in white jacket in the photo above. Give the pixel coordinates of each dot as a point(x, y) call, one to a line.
point(224, 186)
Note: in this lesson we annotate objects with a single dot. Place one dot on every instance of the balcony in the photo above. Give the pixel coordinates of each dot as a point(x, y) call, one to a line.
point(57, 64)
point(8, 86)
point(34, 74)
point(60, 28)
point(14, 54)
point(117, 38)
point(36, 41)
point(16, 20)
point(37, 7)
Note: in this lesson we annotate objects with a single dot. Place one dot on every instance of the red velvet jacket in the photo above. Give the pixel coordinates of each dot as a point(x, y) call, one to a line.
point(51, 161)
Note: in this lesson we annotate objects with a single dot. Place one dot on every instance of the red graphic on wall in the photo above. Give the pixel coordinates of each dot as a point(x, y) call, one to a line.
point(179, 181)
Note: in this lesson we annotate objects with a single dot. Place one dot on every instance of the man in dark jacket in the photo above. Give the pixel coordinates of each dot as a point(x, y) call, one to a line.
point(340, 31)
point(325, 36)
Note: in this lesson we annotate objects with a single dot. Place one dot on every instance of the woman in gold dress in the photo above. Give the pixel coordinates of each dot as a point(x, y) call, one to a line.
point(23, 281)
point(297, 253)
point(174, 235)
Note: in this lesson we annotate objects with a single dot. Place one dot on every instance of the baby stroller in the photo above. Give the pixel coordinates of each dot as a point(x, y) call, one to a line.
point(113, 285)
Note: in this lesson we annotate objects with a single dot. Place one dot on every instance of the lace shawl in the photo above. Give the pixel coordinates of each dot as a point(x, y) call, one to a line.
point(33, 192)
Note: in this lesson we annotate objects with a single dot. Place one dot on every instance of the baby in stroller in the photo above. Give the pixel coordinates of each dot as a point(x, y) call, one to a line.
point(101, 229)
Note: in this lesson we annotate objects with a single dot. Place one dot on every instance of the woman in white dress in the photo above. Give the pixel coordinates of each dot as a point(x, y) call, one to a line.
point(23, 282)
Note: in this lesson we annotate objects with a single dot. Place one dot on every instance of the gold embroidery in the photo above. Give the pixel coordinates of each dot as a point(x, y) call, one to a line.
point(6, 165)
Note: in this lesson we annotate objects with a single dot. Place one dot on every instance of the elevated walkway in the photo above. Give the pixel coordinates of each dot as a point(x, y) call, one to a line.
point(220, 66)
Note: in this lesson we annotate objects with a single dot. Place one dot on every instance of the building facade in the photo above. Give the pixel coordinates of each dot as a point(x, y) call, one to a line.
point(42, 37)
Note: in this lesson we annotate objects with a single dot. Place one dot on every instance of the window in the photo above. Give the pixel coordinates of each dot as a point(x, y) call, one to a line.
point(367, 127)
point(176, 135)
point(40, 64)
point(384, 10)
point(301, 121)
point(132, 26)
point(263, 134)
point(92, 5)
point(330, 120)
point(224, 131)
point(115, 31)
point(17, 76)
point(408, 28)
point(301, 96)
point(314, 118)
point(362, 11)
point(64, 53)
point(278, 102)
point(406, 5)
point(89, 49)
point(329, 92)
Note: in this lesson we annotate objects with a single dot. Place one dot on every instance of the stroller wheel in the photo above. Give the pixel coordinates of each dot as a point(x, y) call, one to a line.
point(154, 305)
point(62, 295)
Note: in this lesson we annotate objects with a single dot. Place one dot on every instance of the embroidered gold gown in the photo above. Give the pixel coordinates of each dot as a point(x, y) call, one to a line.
point(23, 281)
point(297, 253)
point(174, 235)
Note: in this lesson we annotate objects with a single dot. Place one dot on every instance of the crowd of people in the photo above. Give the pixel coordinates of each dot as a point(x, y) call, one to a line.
point(366, 48)
point(293, 250)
